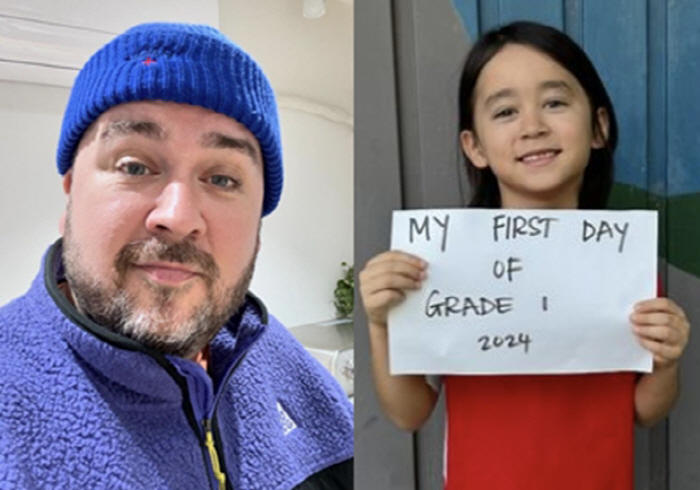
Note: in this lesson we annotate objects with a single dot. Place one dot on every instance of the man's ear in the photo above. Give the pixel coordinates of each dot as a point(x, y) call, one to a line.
point(602, 129)
point(67, 181)
point(472, 148)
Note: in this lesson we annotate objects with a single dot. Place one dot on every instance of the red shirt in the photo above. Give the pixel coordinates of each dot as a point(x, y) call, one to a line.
point(540, 432)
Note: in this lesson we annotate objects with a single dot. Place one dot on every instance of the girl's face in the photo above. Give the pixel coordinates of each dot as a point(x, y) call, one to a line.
point(533, 128)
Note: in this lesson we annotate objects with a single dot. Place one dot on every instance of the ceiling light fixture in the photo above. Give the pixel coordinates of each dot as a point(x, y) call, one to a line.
point(313, 9)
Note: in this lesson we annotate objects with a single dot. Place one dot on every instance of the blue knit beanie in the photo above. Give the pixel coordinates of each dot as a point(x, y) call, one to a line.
point(191, 64)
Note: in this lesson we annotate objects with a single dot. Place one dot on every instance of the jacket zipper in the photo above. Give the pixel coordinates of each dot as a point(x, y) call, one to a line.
point(213, 454)
point(216, 437)
point(212, 438)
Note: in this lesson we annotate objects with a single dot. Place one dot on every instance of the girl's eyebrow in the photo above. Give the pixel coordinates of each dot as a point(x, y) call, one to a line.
point(556, 84)
point(510, 92)
point(496, 96)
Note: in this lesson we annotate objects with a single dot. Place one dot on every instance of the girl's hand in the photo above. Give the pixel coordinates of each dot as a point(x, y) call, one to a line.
point(662, 328)
point(385, 279)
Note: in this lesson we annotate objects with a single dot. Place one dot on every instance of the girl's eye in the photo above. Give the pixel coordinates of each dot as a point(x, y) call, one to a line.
point(555, 103)
point(503, 113)
point(224, 181)
point(135, 168)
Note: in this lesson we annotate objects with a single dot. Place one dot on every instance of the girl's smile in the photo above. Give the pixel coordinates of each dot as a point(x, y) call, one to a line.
point(538, 158)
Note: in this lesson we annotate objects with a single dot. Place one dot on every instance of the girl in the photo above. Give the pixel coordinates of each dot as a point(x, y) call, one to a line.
point(538, 130)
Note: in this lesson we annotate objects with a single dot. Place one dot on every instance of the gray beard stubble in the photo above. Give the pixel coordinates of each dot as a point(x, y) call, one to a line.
point(116, 309)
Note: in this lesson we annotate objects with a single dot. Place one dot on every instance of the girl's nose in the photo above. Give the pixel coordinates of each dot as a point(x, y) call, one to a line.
point(533, 124)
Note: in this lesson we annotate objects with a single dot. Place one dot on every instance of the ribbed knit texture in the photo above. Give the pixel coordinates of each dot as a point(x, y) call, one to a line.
point(185, 63)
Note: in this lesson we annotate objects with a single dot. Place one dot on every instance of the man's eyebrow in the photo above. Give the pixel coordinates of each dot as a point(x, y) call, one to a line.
point(126, 127)
point(215, 139)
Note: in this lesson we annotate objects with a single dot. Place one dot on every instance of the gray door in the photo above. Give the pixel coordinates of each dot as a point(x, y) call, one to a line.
point(407, 59)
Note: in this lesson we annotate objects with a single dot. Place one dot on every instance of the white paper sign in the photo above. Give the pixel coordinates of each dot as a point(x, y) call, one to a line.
point(523, 291)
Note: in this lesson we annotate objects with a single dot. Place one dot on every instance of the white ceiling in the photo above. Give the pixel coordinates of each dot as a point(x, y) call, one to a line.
point(307, 60)
point(46, 42)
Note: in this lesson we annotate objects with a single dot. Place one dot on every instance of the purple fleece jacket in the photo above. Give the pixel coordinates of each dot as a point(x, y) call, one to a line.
point(81, 407)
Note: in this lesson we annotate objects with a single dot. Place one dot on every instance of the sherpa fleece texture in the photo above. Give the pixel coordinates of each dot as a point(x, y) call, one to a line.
point(79, 409)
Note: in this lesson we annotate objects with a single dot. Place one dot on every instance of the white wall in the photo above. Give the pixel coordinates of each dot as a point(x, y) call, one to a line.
point(310, 234)
point(31, 199)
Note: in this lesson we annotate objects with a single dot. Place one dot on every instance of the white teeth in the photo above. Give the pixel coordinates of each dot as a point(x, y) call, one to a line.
point(538, 156)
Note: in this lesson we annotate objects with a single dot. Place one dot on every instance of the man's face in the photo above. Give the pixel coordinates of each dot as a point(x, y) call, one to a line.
point(162, 223)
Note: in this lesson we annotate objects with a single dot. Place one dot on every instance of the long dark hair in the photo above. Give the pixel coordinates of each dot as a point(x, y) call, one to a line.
point(598, 176)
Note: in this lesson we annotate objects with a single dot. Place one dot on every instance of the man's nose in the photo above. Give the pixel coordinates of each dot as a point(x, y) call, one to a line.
point(176, 213)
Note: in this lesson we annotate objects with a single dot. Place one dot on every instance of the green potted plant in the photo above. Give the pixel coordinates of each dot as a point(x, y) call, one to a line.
point(344, 293)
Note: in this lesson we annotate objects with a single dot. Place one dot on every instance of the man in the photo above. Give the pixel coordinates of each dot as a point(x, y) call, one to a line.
point(138, 359)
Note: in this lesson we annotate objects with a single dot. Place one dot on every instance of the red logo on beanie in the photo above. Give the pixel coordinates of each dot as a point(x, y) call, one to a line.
point(148, 61)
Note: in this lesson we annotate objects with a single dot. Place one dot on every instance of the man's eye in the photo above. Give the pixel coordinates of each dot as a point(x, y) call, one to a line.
point(134, 168)
point(224, 181)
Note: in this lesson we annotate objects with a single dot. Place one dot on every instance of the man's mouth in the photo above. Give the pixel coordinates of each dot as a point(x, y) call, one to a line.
point(167, 273)
point(538, 157)
point(171, 264)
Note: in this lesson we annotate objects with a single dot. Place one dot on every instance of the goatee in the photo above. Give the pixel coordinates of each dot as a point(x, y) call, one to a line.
point(156, 325)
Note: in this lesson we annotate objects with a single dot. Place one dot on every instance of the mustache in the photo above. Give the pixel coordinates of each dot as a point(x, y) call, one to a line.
point(155, 249)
